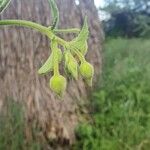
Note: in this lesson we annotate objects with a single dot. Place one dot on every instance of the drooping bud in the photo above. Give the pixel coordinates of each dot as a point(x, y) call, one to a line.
point(71, 65)
point(58, 84)
point(89, 82)
point(73, 69)
point(87, 72)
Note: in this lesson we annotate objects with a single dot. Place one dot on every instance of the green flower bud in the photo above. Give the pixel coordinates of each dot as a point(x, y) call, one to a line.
point(58, 84)
point(87, 72)
point(71, 65)
point(89, 82)
point(73, 68)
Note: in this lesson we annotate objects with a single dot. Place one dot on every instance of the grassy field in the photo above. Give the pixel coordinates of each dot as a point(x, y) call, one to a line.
point(12, 128)
point(121, 105)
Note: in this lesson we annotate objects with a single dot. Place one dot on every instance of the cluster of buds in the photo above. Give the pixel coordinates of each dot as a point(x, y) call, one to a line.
point(75, 63)
point(73, 52)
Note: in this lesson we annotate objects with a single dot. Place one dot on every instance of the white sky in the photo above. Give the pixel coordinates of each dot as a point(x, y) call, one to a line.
point(99, 3)
point(103, 15)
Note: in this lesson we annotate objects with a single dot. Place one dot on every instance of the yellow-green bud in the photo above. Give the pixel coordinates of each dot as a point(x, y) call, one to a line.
point(73, 68)
point(89, 82)
point(87, 71)
point(58, 84)
point(71, 65)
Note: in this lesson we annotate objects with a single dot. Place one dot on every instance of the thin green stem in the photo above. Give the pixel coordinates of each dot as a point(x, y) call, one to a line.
point(61, 41)
point(25, 23)
point(54, 47)
point(44, 30)
point(72, 30)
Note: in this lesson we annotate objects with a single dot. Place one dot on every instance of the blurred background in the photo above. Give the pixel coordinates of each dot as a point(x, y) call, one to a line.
point(114, 115)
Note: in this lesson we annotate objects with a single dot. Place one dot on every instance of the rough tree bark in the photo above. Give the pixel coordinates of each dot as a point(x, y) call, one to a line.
point(23, 50)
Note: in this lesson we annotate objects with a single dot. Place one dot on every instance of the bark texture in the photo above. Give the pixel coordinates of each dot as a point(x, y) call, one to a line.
point(22, 51)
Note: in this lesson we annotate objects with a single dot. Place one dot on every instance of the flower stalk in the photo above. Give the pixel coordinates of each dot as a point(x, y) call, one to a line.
point(71, 49)
point(42, 29)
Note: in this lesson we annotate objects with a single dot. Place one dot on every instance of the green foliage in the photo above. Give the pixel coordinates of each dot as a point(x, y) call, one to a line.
point(4, 4)
point(47, 66)
point(121, 107)
point(112, 6)
point(80, 42)
point(12, 128)
point(55, 13)
point(129, 18)
point(143, 25)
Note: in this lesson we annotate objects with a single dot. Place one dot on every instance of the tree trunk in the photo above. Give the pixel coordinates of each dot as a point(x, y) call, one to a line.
point(22, 51)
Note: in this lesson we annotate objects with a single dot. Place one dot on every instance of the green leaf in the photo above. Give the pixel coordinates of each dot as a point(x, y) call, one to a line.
point(83, 35)
point(80, 42)
point(3, 5)
point(55, 13)
point(48, 66)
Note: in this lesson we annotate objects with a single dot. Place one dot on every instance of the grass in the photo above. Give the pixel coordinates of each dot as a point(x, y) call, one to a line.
point(12, 128)
point(121, 105)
